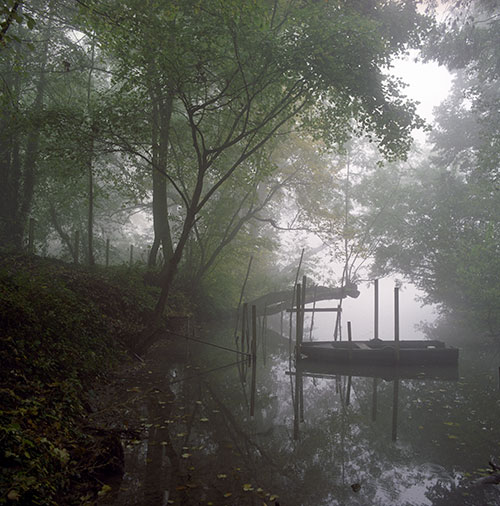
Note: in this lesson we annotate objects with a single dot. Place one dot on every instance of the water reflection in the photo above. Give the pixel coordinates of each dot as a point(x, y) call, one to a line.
point(320, 436)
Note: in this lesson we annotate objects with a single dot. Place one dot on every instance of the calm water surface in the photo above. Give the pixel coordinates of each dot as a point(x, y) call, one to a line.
point(319, 437)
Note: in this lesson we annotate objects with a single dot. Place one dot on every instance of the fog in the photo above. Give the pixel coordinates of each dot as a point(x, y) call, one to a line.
point(163, 164)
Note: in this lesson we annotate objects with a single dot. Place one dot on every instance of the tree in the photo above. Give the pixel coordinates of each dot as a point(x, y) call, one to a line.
point(21, 116)
point(468, 44)
point(237, 73)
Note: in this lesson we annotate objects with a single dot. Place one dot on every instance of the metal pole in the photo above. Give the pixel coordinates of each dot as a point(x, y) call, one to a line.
point(375, 330)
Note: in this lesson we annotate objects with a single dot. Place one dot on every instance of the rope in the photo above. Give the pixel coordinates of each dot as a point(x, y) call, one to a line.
point(207, 343)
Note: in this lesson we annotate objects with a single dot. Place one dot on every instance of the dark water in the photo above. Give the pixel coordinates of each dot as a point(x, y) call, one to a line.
point(317, 438)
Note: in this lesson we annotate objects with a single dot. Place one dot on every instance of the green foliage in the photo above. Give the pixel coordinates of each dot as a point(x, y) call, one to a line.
point(62, 330)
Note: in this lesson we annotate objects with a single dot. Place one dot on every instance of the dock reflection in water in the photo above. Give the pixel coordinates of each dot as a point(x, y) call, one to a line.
point(343, 375)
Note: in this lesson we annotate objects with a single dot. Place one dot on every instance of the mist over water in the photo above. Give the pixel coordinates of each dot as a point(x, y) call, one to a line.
point(360, 312)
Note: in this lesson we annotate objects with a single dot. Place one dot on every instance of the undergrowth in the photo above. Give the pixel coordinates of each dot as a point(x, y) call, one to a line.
point(62, 328)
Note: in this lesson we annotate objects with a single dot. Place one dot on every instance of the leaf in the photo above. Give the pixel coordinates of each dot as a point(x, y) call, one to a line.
point(228, 494)
point(273, 497)
point(222, 476)
point(104, 490)
point(186, 455)
point(247, 487)
point(203, 419)
point(13, 495)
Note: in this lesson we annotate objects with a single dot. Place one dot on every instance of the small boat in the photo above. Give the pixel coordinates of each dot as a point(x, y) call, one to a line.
point(378, 351)
point(387, 372)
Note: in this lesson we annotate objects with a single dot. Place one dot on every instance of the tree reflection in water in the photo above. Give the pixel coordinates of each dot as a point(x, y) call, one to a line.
point(406, 437)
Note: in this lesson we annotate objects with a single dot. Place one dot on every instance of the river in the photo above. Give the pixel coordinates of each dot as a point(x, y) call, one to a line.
point(400, 438)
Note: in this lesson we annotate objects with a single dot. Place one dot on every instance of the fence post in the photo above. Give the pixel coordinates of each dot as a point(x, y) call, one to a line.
point(254, 360)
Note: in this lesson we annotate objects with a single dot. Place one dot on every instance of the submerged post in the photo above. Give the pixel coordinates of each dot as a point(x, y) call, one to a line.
point(396, 321)
point(349, 338)
point(254, 360)
point(375, 324)
point(395, 400)
point(131, 255)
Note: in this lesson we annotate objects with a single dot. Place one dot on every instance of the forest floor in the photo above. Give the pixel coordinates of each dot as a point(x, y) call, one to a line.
point(64, 333)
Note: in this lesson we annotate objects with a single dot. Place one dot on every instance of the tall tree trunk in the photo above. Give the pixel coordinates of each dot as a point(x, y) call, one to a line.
point(90, 154)
point(167, 276)
point(161, 115)
point(24, 199)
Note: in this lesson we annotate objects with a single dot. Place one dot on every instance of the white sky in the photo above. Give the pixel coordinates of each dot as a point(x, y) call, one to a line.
point(428, 83)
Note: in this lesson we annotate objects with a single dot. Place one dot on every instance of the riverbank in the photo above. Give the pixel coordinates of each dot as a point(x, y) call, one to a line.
point(64, 332)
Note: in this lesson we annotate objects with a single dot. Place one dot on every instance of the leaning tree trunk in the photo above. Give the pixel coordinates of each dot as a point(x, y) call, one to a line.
point(276, 302)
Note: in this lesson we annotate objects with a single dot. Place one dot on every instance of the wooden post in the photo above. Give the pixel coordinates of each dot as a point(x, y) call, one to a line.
point(254, 360)
point(312, 315)
point(300, 396)
point(375, 325)
point(31, 236)
point(244, 317)
point(296, 409)
point(241, 298)
point(349, 338)
point(298, 323)
point(77, 247)
point(396, 321)
point(131, 255)
point(107, 252)
point(264, 336)
point(348, 394)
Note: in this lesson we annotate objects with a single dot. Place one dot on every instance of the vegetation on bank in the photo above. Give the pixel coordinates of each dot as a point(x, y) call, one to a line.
point(62, 329)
